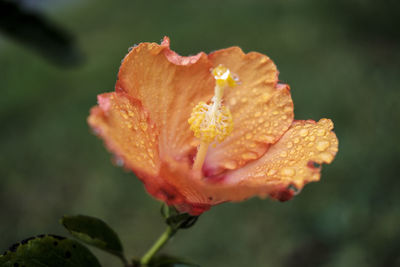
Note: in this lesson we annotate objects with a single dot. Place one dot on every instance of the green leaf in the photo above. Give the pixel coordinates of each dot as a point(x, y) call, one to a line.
point(169, 261)
point(48, 251)
point(35, 31)
point(94, 232)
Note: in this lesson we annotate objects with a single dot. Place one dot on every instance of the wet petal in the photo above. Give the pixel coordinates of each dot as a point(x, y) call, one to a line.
point(189, 193)
point(262, 110)
point(291, 160)
point(169, 86)
point(127, 131)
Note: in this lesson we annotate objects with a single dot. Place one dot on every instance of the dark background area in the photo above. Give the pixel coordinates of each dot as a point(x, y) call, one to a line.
point(341, 59)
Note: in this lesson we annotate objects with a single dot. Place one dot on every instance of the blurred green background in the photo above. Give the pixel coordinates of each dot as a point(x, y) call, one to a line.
point(341, 59)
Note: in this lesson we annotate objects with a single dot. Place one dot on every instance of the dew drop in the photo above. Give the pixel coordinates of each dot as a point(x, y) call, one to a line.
point(249, 155)
point(296, 140)
point(283, 154)
point(288, 171)
point(303, 132)
point(288, 109)
point(119, 161)
point(230, 165)
point(312, 138)
point(299, 147)
point(143, 125)
point(271, 172)
point(265, 97)
point(326, 157)
point(232, 101)
point(321, 132)
point(322, 145)
point(289, 145)
point(267, 138)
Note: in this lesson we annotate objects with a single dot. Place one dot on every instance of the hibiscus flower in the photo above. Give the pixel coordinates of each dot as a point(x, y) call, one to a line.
point(206, 129)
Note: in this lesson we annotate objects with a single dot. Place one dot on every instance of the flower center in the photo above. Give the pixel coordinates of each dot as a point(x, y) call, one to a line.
point(212, 121)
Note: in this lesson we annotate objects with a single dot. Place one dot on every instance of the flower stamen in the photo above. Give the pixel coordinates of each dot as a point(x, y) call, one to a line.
point(213, 121)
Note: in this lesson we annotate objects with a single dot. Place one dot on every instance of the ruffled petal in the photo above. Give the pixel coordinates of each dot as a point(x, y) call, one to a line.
point(292, 160)
point(189, 192)
point(169, 86)
point(125, 126)
point(262, 110)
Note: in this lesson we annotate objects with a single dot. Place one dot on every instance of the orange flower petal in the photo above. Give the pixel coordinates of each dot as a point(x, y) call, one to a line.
point(128, 132)
point(291, 160)
point(280, 173)
point(169, 86)
point(191, 194)
point(262, 110)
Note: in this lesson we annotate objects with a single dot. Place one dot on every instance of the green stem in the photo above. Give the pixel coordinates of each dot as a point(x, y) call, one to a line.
point(161, 241)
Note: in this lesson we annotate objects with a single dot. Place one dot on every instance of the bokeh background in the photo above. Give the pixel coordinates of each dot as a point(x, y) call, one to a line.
point(340, 57)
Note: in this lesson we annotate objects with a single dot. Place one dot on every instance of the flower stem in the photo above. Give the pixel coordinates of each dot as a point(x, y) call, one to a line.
point(161, 241)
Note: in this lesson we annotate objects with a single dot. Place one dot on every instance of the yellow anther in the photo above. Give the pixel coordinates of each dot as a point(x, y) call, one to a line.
point(209, 123)
point(213, 121)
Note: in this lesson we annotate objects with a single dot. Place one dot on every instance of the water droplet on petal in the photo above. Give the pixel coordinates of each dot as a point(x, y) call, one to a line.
point(265, 97)
point(248, 136)
point(322, 145)
point(271, 172)
point(289, 145)
point(249, 155)
point(143, 125)
point(303, 132)
point(321, 132)
point(326, 157)
point(283, 154)
point(288, 171)
point(230, 165)
point(119, 161)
